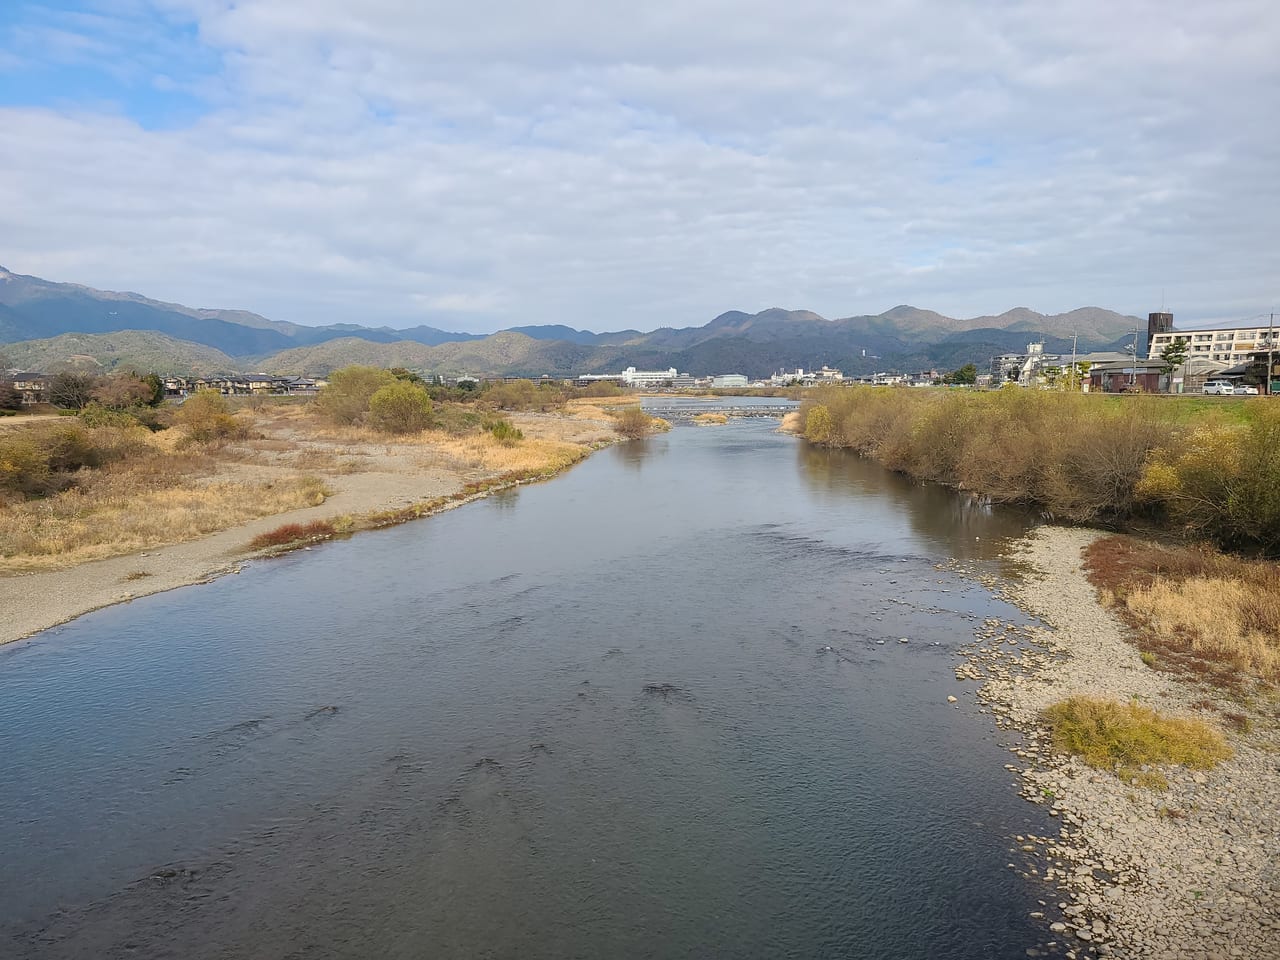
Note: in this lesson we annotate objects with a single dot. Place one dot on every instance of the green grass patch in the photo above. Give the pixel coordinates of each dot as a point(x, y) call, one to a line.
point(1126, 737)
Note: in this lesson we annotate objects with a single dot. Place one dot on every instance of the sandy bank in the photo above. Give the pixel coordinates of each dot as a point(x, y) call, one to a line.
point(390, 478)
point(1182, 874)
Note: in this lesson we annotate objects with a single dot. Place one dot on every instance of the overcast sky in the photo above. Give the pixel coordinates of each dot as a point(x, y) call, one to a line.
point(474, 164)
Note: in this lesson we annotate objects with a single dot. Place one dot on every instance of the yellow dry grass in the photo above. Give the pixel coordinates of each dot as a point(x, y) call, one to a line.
point(1216, 618)
point(1127, 737)
point(113, 516)
point(483, 452)
point(709, 419)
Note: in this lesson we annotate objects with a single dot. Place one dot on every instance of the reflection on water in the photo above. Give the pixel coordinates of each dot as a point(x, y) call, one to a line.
point(968, 526)
point(654, 708)
point(634, 453)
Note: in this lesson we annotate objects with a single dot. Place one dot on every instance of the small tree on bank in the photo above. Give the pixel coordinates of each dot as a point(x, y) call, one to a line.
point(346, 398)
point(400, 407)
point(633, 423)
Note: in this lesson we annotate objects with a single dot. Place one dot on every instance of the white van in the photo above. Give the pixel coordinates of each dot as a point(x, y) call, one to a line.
point(1221, 388)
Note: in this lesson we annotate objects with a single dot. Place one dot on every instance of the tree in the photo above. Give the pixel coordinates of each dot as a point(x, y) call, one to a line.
point(10, 398)
point(968, 374)
point(346, 398)
point(400, 407)
point(1173, 356)
point(122, 390)
point(157, 390)
point(400, 373)
point(71, 390)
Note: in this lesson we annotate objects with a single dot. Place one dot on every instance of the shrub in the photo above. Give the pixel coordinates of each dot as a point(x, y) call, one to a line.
point(633, 422)
point(817, 424)
point(207, 418)
point(96, 415)
point(293, 533)
point(39, 462)
point(345, 400)
point(1079, 458)
point(505, 432)
point(601, 388)
point(400, 407)
point(1223, 482)
point(1124, 737)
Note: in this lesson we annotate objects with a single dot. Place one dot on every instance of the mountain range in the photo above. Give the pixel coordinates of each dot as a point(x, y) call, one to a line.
point(45, 325)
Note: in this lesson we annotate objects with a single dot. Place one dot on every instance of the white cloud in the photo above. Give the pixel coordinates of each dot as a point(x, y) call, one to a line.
point(479, 165)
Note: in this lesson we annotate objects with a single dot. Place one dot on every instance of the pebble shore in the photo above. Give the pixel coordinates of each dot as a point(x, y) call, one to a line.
point(1187, 873)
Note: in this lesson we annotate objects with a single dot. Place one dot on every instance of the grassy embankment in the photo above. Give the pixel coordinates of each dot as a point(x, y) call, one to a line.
point(80, 489)
point(1200, 473)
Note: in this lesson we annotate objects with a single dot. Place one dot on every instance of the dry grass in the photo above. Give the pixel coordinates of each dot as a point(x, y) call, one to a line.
point(1196, 609)
point(1125, 738)
point(112, 516)
point(156, 489)
point(483, 451)
point(711, 419)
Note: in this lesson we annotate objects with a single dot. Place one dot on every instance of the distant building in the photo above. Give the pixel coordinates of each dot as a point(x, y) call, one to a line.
point(34, 387)
point(729, 380)
point(1211, 350)
point(648, 378)
point(803, 377)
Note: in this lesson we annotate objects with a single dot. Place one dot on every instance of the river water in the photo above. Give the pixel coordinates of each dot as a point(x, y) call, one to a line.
point(642, 710)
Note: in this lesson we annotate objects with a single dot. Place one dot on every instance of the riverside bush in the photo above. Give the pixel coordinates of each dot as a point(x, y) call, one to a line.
point(633, 422)
point(1223, 482)
point(1076, 457)
point(45, 459)
point(505, 432)
point(345, 399)
point(207, 418)
point(400, 407)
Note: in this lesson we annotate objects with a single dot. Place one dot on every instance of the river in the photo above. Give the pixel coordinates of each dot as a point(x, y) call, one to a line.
point(656, 707)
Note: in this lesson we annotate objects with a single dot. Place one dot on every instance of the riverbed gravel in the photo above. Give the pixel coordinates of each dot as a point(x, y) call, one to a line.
point(1187, 873)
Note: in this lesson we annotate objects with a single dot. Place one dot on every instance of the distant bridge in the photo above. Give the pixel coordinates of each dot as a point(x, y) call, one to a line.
point(689, 411)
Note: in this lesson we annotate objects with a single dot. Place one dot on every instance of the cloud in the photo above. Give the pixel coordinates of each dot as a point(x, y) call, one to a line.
point(479, 165)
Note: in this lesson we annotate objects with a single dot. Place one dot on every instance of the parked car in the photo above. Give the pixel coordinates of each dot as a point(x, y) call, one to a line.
point(1245, 390)
point(1219, 388)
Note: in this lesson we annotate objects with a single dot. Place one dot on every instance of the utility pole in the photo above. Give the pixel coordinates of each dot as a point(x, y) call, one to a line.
point(1133, 358)
point(1271, 345)
point(1074, 337)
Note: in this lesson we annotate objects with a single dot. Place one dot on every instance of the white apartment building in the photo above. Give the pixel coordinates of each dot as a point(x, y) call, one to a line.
point(1217, 348)
point(648, 378)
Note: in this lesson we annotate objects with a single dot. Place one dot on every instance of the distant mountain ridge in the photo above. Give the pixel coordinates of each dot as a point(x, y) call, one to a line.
point(43, 323)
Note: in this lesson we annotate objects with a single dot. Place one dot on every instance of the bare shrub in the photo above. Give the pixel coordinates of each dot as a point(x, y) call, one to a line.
point(633, 422)
point(290, 533)
point(206, 418)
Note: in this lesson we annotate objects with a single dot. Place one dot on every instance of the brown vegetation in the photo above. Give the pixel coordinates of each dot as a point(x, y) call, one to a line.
point(71, 491)
point(294, 533)
point(1196, 609)
point(1088, 459)
point(632, 423)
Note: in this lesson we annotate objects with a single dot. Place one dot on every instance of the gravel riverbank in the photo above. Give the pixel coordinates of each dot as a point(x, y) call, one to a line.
point(1189, 873)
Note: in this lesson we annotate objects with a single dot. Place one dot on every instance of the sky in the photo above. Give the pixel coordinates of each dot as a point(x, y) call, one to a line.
point(605, 165)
